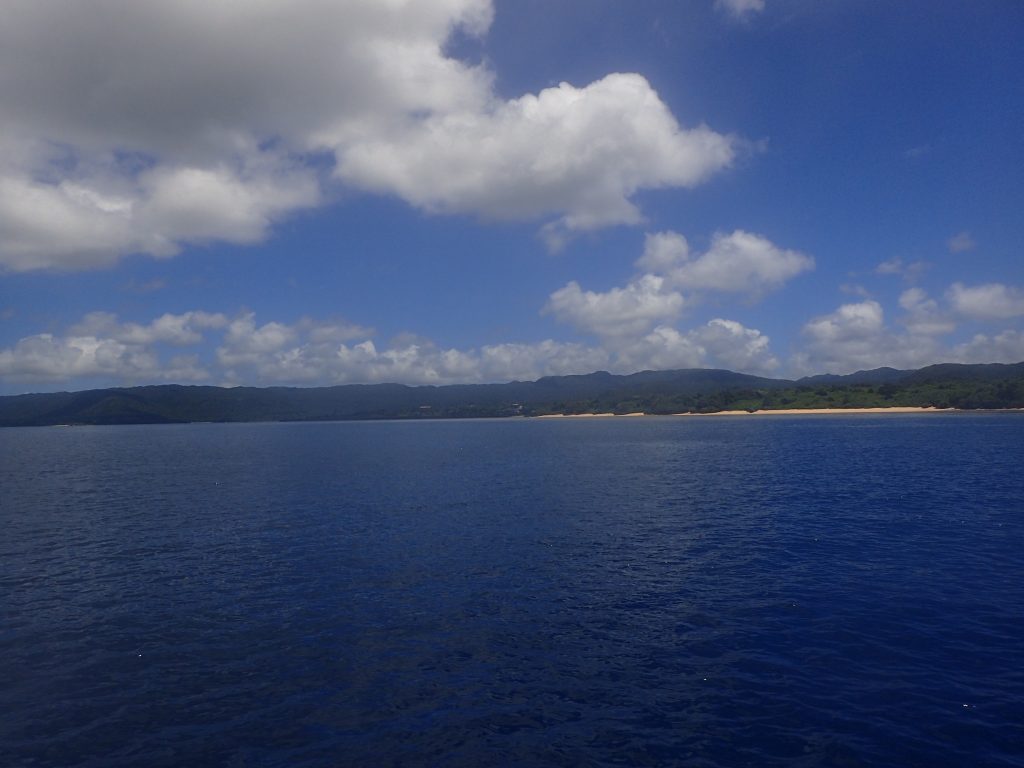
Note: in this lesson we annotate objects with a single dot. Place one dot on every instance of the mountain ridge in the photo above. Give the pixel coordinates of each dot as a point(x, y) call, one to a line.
point(701, 390)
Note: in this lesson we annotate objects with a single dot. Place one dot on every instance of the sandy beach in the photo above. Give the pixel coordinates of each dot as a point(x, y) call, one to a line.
point(803, 411)
point(574, 415)
point(587, 415)
point(765, 412)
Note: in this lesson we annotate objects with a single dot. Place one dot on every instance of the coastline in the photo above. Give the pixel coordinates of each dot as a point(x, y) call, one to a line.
point(826, 411)
point(896, 409)
point(575, 415)
point(590, 415)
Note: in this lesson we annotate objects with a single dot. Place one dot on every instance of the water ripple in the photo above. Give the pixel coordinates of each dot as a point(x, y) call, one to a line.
point(825, 592)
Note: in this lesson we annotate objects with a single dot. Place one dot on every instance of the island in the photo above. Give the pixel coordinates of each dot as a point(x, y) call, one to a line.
point(932, 389)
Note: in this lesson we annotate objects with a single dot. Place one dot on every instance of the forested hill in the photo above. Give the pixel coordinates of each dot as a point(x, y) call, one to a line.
point(693, 390)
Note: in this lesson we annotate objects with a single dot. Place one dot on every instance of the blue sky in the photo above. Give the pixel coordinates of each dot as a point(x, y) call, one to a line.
point(435, 191)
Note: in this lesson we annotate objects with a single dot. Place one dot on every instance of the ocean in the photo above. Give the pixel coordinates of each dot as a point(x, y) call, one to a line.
point(770, 591)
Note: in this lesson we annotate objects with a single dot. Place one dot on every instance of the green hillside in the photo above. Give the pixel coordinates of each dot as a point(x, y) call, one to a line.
point(656, 392)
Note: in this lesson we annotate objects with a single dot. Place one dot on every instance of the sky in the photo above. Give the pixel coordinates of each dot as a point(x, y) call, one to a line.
point(315, 192)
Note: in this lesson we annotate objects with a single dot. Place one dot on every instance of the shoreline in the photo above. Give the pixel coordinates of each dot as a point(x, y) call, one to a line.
point(896, 409)
point(592, 415)
point(827, 411)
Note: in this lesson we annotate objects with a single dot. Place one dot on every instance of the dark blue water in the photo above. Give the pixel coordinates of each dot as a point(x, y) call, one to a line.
point(801, 591)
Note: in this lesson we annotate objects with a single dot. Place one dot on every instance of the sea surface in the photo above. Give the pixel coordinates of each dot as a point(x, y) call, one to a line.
point(769, 591)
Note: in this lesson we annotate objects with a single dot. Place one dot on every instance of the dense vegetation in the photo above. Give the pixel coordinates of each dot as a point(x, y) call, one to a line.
point(656, 392)
point(958, 394)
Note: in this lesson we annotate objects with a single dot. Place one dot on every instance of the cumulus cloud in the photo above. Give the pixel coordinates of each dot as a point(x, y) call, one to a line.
point(414, 363)
point(619, 312)
point(100, 346)
point(45, 357)
point(305, 353)
point(247, 344)
point(719, 343)
point(130, 127)
point(310, 352)
point(1006, 346)
point(90, 217)
point(732, 345)
point(663, 252)
point(740, 9)
point(991, 301)
point(200, 204)
point(578, 152)
point(740, 262)
point(923, 315)
point(273, 353)
point(102, 350)
point(177, 330)
point(526, 362)
point(856, 337)
point(849, 322)
point(634, 322)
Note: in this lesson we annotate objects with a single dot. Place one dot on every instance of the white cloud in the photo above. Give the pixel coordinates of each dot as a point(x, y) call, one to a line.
point(663, 252)
point(527, 362)
point(313, 352)
point(326, 332)
point(850, 321)
point(51, 225)
point(961, 242)
point(99, 346)
point(200, 204)
point(195, 79)
point(412, 360)
point(281, 363)
point(664, 348)
point(177, 330)
point(1006, 346)
point(731, 345)
point(130, 127)
point(991, 301)
point(45, 357)
point(577, 152)
point(740, 9)
point(632, 322)
point(923, 314)
point(246, 344)
point(718, 344)
point(856, 336)
point(910, 272)
point(740, 262)
point(101, 350)
point(619, 312)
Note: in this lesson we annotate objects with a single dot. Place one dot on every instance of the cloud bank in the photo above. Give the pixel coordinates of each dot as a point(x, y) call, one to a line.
point(635, 328)
point(857, 336)
point(134, 127)
point(736, 263)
